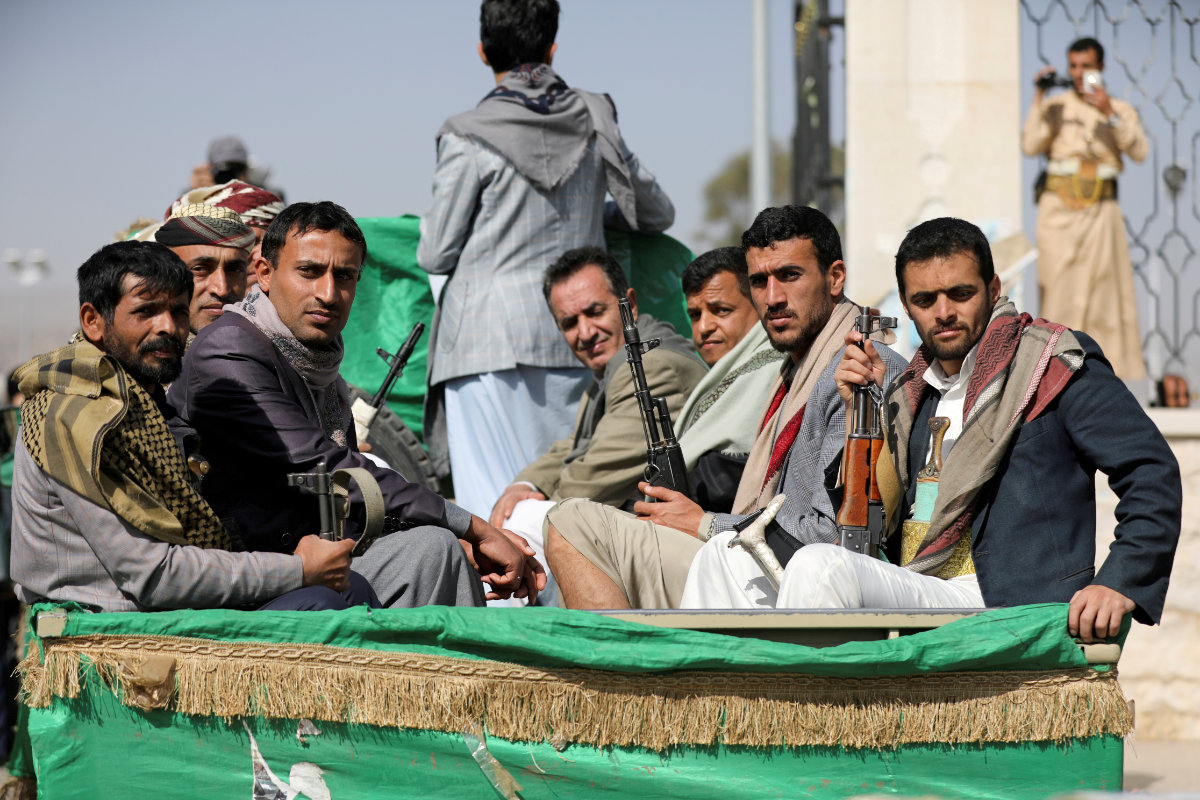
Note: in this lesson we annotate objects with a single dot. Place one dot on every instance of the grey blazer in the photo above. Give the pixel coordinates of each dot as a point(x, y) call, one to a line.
point(495, 235)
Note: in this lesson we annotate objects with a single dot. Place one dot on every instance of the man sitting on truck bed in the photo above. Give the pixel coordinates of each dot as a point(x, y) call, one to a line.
point(105, 513)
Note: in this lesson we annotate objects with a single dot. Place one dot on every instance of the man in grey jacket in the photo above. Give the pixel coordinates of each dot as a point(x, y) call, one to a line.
point(105, 513)
point(520, 179)
point(604, 558)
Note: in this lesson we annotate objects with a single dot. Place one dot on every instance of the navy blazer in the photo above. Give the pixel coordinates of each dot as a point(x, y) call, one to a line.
point(1034, 538)
point(257, 422)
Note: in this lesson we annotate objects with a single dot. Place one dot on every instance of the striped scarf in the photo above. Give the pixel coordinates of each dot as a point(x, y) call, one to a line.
point(1022, 365)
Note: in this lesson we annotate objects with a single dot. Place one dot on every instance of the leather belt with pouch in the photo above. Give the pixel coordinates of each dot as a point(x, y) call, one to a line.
point(1082, 189)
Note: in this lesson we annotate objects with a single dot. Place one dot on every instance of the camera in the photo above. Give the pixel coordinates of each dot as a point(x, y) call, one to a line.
point(1092, 80)
point(1051, 81)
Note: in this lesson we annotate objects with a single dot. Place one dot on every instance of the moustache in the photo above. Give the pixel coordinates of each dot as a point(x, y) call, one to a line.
point(174, 346)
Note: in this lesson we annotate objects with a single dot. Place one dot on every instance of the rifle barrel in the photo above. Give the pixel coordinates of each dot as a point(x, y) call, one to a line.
point(397, 363)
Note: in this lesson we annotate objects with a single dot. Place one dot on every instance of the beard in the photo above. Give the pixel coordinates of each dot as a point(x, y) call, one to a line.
point(141, 368)
point(950, 351)
point(796, 342)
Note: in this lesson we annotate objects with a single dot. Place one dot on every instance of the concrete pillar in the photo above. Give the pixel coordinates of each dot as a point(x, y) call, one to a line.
point(932, 125)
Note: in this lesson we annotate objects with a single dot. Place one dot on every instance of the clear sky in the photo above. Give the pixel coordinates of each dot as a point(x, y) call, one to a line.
point(107, 105)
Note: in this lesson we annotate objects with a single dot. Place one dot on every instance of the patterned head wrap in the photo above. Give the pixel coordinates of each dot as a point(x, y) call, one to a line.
point(200, 223)
point(256, 207)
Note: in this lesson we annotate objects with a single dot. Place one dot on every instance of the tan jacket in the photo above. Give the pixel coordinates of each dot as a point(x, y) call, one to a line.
point(609, 424)
point(1066, 126)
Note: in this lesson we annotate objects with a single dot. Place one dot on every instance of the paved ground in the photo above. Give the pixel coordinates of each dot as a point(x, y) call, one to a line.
point(1162, 767)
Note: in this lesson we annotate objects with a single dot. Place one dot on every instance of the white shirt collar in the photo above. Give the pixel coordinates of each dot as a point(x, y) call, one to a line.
point(936, 377)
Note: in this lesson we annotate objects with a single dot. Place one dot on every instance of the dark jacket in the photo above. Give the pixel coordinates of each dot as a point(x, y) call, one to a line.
point(257, 422)
point(1034, 539)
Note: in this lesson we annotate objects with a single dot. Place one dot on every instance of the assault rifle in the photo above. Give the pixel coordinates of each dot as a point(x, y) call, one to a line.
point(364, 413)
point(333, 502)
point(860, 519)
point(664, 459)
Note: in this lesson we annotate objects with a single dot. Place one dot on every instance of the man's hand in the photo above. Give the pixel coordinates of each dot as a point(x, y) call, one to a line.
point(860, 364)
point(1096, 612)
point(1038, 91)
point(1100, 99)
point(325, 563)
point(508, 501)
point(673, 509)
point(505, 561)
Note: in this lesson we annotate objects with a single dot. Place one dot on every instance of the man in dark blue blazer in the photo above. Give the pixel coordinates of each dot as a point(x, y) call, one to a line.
point(1009, 515)
point(261, 387)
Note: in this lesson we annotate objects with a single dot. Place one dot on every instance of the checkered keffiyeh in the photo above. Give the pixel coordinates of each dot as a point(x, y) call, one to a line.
point(255, 206)
point(200, 223)
point(92, 428)
point(1022, 365)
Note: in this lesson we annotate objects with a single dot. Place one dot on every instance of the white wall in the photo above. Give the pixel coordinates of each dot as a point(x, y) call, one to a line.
point(932, 125)
point(1158, 666)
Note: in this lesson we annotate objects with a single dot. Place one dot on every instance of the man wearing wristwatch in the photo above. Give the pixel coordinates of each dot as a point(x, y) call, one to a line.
point(1084, 270)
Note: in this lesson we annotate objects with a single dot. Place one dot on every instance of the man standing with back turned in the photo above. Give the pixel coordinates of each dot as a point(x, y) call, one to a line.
point(521, 178)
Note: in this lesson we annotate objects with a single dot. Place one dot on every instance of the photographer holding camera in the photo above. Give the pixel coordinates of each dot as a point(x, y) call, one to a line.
point(1084, 270)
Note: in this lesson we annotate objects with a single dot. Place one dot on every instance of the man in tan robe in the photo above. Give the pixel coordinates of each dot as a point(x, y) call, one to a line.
point(1084, 270)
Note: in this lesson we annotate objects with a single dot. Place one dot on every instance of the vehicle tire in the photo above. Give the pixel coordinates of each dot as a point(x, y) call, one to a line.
point(395, 443)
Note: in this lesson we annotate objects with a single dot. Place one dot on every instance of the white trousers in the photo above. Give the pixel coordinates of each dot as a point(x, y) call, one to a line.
point(725, 577)
point(498, 423)
point(818, 576)
point(527, 520)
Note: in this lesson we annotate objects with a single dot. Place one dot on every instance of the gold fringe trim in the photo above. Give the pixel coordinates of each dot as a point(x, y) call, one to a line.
point(654, 711)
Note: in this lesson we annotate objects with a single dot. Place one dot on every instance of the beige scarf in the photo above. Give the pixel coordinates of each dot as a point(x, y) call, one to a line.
point(752, 494)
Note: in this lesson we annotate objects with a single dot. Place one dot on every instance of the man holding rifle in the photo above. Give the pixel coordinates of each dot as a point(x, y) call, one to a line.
point(261, 387)
point(106, 512)
point(1034, 409)
point(606, 455)
point(605, 559)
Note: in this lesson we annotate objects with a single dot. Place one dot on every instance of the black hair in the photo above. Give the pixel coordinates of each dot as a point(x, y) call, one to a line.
point(516, 32)
point(782, 223)
point(227, 171)
point(1085, 44)
point(942, 238)
point(573, 261)
point(723, 259)
point(304, 217)
point(13, 384)
point(101, 278)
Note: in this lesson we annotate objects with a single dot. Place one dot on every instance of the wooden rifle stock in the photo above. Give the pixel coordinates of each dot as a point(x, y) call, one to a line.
point(861, 524)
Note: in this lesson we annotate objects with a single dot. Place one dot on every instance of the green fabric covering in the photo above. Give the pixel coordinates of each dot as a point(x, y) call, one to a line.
point(1025, 638)
point(394, 293)
point(117, 751)
point(96, 741)
point(654, 263)
point(6, 469)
